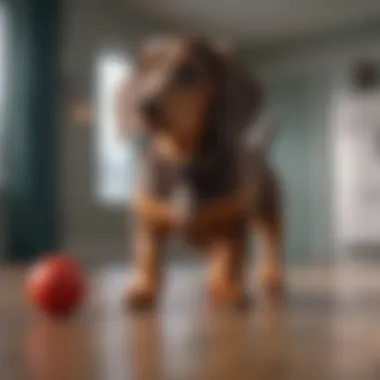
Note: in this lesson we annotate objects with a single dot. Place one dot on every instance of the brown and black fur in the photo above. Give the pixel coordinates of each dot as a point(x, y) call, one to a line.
point(194, 104)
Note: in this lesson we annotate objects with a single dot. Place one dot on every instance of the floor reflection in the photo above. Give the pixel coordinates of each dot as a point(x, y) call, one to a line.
point(314, 332)
point(58, 350)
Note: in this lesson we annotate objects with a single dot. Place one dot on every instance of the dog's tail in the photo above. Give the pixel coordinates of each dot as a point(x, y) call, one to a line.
point(261, 136)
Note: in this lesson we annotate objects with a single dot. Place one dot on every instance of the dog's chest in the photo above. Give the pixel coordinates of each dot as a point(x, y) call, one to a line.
point(200, 183)
point(189, 187)
point(192, 188)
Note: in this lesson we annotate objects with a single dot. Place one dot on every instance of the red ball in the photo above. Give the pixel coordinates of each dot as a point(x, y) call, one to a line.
point(56, 286)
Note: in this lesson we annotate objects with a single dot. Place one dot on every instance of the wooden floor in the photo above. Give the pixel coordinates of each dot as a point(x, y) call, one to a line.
point(327, 327)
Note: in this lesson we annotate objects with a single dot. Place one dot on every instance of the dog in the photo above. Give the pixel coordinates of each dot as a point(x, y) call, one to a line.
point(201, 177)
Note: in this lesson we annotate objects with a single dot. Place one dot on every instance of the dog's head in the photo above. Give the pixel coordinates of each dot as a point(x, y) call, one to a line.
point(182, 89)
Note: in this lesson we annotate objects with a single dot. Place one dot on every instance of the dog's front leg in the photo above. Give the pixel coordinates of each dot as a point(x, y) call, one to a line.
point(149, 247)
point(226, 277)
point(154, 223)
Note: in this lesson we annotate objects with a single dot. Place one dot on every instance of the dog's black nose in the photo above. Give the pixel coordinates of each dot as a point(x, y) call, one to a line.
point(150, 109)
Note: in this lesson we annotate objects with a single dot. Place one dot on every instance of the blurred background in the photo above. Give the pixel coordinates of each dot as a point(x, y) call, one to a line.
point(65, 176)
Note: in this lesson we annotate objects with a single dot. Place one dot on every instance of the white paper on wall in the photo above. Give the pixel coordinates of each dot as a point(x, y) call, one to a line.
point(357, 168)
point(116, 159)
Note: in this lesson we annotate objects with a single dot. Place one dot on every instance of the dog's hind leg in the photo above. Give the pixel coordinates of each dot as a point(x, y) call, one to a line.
point(269, 225)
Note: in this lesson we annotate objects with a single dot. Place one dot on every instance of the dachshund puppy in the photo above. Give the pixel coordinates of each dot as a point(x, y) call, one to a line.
point(201, 177)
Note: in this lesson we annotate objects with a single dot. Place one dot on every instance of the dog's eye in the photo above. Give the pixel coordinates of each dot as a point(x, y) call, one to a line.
point(186, 76)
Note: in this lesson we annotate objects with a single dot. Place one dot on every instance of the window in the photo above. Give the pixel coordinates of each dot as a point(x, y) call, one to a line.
point(115, 159)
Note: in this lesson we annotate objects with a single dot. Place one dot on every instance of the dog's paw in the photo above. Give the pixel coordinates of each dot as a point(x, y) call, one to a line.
point(140, 297)
point(272, 281)
point(229, 296)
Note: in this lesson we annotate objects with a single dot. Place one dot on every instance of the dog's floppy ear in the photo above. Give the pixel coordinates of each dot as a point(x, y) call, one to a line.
point(238, 100)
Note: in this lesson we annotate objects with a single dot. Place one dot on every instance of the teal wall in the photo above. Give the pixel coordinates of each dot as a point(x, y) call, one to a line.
point(302, 78)
point(299, 103)
point(31, 129)
point(49, 162)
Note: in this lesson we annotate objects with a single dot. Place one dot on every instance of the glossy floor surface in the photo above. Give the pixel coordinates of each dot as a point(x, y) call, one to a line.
point(326, 327)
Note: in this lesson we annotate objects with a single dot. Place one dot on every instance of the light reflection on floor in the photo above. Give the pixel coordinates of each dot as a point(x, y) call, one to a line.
point(326, 327)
